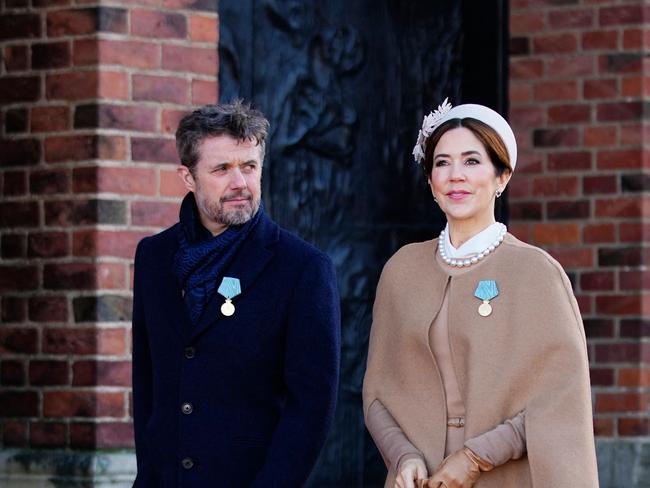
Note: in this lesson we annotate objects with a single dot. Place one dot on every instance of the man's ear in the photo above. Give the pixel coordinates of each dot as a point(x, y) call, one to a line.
point(186, 177)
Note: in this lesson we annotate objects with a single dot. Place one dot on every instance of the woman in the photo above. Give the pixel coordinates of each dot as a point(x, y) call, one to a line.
point(477, 351)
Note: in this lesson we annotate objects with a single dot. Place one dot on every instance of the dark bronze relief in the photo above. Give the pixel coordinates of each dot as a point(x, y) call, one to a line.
point(345, 85)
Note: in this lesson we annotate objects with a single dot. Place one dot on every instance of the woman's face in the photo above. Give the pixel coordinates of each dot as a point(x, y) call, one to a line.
point(463, 179)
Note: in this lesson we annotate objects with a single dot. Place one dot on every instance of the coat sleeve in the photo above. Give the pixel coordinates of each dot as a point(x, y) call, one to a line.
point(141, 363)
point(311, 374)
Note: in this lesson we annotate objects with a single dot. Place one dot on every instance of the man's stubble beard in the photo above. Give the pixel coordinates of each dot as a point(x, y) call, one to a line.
point(216, 212)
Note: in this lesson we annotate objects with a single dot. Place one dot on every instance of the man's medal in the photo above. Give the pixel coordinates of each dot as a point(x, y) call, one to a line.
point(229, 289)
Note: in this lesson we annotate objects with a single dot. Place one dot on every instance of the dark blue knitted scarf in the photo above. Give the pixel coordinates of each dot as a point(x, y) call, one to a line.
point(201, 257)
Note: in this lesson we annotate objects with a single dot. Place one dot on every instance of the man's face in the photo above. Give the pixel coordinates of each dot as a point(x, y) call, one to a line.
point(226, 181)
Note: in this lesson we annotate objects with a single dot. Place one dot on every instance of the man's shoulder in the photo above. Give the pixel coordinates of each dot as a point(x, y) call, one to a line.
point(164, 241)
point(296, 248)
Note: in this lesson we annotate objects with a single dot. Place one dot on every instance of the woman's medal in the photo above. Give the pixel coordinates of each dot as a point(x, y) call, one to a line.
point(229, 289)
point(486, 291)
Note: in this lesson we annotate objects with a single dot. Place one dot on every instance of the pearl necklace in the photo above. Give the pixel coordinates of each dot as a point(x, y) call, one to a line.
point(473, 260)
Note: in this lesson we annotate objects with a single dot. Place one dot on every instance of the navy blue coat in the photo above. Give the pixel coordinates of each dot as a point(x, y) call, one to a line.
point(236, 401)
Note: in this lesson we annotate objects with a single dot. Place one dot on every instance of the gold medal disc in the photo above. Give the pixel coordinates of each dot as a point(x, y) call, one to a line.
point(485, 309)
point(227, 308)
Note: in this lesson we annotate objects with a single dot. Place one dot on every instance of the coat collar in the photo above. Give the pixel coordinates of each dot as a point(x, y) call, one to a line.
point(248, 263)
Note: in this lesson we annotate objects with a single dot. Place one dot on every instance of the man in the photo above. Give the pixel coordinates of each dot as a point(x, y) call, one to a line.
point(236, 325)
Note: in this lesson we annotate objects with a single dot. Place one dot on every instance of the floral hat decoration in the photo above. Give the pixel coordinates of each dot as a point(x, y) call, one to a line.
point(484, 114)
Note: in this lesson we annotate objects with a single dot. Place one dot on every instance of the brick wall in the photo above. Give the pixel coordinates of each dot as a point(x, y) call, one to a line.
point(90, 94)
point(579, 85)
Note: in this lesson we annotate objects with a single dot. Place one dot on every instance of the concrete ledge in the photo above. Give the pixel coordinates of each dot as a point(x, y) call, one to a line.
point(25, 468)
point(624, 463)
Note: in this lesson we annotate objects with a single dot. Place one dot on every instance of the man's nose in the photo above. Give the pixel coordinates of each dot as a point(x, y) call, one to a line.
point(237, 179)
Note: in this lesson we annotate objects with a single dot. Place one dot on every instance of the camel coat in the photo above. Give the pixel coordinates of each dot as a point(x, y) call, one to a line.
point(529, 354)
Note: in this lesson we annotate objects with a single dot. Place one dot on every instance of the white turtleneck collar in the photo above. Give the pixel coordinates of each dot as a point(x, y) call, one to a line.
point(475, 245)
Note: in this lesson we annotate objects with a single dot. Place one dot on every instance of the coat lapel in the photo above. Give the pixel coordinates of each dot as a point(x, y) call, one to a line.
point(247, 264)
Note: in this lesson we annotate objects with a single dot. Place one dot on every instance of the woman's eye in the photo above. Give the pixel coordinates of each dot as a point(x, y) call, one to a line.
point(472, 161)
point(440, 162)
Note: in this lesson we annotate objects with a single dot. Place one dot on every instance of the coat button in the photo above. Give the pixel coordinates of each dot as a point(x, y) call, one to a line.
point(187, 408)
point(190, 352)
point(187, 463)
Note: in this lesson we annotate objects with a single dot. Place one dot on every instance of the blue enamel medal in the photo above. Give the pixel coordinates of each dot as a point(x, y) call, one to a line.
point(486, 291)
point(229, 289)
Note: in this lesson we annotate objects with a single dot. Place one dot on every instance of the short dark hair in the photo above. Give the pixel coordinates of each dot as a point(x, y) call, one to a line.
point(494, 145)
point(235, 119)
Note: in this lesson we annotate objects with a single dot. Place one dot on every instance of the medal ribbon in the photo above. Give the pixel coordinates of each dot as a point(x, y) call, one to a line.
point(229, 287)
point(486, 290)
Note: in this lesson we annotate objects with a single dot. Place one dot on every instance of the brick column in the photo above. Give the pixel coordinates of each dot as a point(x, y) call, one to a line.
point(579, 84)
point(90, 94)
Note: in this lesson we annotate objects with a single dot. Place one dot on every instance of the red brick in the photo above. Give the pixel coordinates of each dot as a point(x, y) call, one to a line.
point(556, 137)
point(555, 43)
point(634, 377)
point(597, 280)
point(527, 116)
point(82, 404)
point(172, 186)
point(569, 114)
point(86, 21)
point(18, 278)
point(14, 309)
point(555, 186)
point(21, 341)
point(621, 63)
point(524, 23)
point(107, 116)
point(633, 39)
point(114, 435)
point(48, 309)
point(126, 181)
point(622, 305)
point(523, 69)
point(107, 243)
point(624, 14)
point(48, 182)
point(82, 435)
point(158, 25)
point(551, 234)
point(14, 433)
point(60, 149)
point(556, 90)
point(18, 403)
point(633, 232)
point(519, 188)
point(604, 427)
point(570, 19)
point(76, 341)
point(621, 402)
point(616, 112)
point(620, 159)
point(16, 58)
point(599, 136)
point(600, 88)
point(111, 276)
point(18, 214)
point(133, 54)
point(72, 86)
point(47, 434)
point(602, 376)
point(16, 120)
point(192, 59)
point(113, 85)
point(570, 66)
point(69, 276)
point(205, 28)
point(568, 209)
point(623, 207)
point(599, 184)
point(154, 214)
point(51, 55)
point(204, 92)
point(15, 89)
point(19, 26)
point(15, 183)
point(169, 120)
point(634, 280)
point(13, 246)
point(204, 5)
point(102, 373)
point(48, 373)
point(50, 119)
point(598, 233)
point(12, 373)
point(520, 92)
point(633, 426)
point(156, 150)
point(600, 39)
point(632, 86)
point(160, 89)
point(48, 245)
point(569, 161)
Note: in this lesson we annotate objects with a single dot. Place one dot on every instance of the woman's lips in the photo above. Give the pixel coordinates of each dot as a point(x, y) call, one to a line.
point(458, 195)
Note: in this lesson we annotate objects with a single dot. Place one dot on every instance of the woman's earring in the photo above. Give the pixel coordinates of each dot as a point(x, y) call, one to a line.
point(499, 193)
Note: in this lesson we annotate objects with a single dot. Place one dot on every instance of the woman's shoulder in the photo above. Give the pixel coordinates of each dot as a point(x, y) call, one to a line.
point(526, 256)
point(413, 254)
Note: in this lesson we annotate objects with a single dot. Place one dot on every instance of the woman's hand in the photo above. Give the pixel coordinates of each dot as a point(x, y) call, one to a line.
point(459, 470)
point(410, 470)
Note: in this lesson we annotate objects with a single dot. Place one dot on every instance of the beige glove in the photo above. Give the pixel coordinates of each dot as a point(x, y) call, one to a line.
point(458, 470)
point(410, 470)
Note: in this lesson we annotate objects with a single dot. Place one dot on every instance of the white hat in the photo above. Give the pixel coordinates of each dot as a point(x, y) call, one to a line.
point(482, 113)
